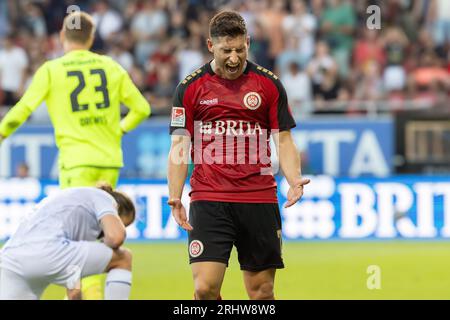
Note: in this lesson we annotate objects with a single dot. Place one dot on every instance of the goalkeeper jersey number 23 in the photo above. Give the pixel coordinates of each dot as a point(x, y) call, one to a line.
point(83, 92)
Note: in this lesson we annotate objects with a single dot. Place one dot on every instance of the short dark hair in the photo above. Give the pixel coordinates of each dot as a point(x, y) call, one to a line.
point(125, 205)
point(227, 23)
point(79, 27)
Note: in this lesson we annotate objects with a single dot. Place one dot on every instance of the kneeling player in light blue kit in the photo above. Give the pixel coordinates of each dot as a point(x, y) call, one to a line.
point(56, 243)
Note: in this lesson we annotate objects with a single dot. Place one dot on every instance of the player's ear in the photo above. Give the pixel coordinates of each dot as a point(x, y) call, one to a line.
point(248, 42)
point(210, 45)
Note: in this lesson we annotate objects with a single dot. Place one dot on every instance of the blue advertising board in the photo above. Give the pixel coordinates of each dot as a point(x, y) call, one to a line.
point(410, 207)
point(337, 147)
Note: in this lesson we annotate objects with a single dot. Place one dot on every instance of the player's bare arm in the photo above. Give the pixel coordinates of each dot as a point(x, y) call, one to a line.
point(290, 165)
point(177, 170)
point(114, 231)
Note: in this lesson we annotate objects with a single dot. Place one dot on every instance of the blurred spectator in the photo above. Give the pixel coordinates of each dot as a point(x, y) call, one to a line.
point(34, 20)
point(36, 51)
point(395, 44)
point(323, 71)
point(118, 53)
point(5, 26)
point(108, 23)
point(441, 25)
point(369, 85)
point(367, 50)
point(448, 61)
point(189, 57)
point(128, 10)
point(271, 18)
point(55, 11)
point(288, 55)
point(144, 34)
point(13, 67)
point(162, 91)
point(426, 42)
point(337, 27)
point(259, 46)
point(298, 88)
point(301, 25)
point(317, 7)
point(138, 77)
point(148, 27)
point(54, 47)
point(178, 29)
point(163, 55)
point(430, 74)
point(248, 10)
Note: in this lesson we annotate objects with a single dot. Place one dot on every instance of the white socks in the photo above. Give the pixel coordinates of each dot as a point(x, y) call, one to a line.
point(118, 284)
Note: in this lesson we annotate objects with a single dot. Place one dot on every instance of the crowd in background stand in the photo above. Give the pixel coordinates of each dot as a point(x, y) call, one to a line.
point(322, 50)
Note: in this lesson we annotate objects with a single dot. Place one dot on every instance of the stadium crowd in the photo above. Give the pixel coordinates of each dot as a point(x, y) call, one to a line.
point(323, 51)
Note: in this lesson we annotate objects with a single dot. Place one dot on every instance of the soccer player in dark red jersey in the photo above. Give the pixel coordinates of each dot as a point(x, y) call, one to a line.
point(227, 110)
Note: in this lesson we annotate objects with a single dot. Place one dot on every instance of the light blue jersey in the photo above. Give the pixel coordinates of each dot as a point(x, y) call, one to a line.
point(56, 241)
point(72, 214)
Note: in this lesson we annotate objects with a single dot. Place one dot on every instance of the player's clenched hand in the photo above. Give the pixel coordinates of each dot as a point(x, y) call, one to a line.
point(295, 192)
point(179, 213)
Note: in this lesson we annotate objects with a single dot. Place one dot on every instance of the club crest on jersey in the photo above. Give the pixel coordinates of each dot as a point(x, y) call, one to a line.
point(252, 100)
point(195, 248)
point(178, 117)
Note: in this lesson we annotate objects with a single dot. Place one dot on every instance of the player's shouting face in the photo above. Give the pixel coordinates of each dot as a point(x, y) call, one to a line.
point(230, 55)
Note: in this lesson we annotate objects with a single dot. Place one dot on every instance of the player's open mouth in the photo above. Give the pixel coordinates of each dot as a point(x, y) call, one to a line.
point(232, 68)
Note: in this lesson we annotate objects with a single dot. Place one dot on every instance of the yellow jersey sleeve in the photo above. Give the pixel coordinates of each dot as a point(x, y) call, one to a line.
point(33, 97)
point(131, 97)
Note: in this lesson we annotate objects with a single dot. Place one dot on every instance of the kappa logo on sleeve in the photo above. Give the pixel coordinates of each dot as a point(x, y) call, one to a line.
point(178, 117)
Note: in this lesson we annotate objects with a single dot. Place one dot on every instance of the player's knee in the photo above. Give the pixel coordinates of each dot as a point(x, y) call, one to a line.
point(206, 291)
point(122, 259)
point(262, 291)
point(127, 258)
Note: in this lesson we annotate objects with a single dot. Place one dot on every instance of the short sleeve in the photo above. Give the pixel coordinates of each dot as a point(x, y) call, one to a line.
point(280, 114)
point(103, 204)
point(182, 118)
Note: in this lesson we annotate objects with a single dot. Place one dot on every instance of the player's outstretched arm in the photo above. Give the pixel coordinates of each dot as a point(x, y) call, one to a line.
point(290, 164)
point(32, 98)
point(114, 230)
point(176, 176)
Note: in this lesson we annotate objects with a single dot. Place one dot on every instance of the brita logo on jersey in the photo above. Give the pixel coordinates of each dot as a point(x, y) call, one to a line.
point(230, 127)
point(231, 142)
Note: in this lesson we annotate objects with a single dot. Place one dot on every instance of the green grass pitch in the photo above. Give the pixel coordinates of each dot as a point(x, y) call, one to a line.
point(314, 270)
